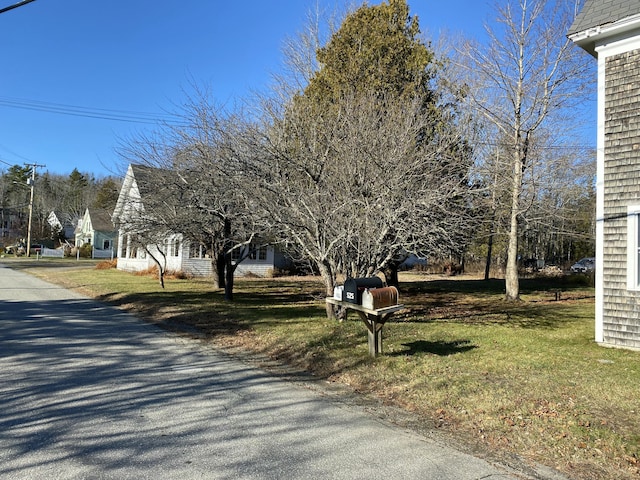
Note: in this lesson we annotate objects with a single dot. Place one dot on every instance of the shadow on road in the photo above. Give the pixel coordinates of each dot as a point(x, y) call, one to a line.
point(93, 388)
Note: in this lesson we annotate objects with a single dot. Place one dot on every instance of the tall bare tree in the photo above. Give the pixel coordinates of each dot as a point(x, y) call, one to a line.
point(523, 82)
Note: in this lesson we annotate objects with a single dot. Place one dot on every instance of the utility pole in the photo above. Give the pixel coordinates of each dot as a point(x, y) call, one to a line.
point(31, 181)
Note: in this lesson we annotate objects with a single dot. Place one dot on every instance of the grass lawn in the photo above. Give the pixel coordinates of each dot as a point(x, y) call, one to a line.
point(523, 378)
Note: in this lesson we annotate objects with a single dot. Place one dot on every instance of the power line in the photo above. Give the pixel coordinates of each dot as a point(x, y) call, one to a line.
point(542, 147)
point(89, 112)
point(6, 163)
point(3, 147)
point(19, 4)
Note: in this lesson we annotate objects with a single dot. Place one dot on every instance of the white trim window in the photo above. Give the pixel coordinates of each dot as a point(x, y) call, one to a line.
point(196, 250)
point(633, 247)
point(258, 252)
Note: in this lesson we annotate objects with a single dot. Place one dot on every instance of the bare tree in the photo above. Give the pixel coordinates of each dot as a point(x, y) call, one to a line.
point(198, 187)
point(353, 191)
point(299, 51)
point(522, 83)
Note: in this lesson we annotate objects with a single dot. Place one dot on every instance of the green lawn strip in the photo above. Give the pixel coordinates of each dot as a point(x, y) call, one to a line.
point(522, 377)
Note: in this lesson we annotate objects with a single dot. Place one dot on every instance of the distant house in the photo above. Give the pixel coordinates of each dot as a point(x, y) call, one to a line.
point(96, 228)
point(62, 224)
point(610, 31)
point(182, 255)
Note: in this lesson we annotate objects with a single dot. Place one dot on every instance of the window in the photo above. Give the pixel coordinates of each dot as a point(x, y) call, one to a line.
point(196, 250)
point(175, 248)
point(633, 248)
point(258, 253)
point(106, 245)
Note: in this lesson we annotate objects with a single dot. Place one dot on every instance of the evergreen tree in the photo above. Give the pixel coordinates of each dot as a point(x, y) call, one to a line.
point(377, 49)
point(106, 195)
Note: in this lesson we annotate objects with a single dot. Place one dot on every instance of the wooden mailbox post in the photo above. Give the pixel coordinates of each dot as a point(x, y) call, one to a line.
point(373, 319)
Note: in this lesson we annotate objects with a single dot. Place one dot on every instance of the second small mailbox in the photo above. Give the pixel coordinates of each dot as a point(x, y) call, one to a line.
point(353, 288)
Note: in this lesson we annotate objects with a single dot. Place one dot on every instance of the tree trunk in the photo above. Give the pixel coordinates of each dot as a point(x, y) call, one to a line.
point(228, 286)
point(221, 266)
point(215, 271)
point(391, 274)
point(161, 267)
point(512, 285)
point(487, 266)
point(224, 267)
point(326, 273)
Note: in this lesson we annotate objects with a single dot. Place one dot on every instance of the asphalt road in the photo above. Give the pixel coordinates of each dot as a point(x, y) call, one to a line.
point(89, 392)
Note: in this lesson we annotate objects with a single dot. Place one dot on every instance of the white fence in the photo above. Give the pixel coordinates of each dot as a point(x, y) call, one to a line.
point(59, 253)
point(52, 252)
point(102, 253)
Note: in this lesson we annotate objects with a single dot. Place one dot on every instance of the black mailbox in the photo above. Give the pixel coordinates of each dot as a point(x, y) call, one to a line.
point(353, 288)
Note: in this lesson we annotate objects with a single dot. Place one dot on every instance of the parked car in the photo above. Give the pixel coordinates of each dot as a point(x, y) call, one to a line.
point(584, 265)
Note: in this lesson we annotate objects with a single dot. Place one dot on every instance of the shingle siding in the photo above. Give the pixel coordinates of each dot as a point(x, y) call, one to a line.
point(621, 308)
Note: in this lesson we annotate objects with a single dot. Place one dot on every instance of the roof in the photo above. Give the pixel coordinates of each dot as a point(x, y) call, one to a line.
point(100, 220)
point(147, 178)
point(596, 13)
point(144, 183)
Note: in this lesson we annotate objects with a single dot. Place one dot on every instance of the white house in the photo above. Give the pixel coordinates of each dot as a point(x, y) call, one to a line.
point(62, 225)
point(181, 254)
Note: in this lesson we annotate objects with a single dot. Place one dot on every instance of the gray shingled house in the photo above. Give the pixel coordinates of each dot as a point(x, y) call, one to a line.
point(610, 31)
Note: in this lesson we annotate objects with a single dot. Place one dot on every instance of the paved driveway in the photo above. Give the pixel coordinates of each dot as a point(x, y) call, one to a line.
point(88, 392)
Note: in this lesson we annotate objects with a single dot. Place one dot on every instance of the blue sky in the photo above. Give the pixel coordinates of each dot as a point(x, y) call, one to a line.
point(130, 58)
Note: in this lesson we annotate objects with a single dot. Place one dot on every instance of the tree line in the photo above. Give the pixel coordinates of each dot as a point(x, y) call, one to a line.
point(67, 195)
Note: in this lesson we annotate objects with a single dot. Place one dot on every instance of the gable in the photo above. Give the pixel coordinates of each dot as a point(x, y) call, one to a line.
point(96, 220)
point(140, 181)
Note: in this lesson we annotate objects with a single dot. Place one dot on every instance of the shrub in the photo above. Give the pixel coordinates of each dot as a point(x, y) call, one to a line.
point(278, 272)
point(86, 250)
point(176, 274)
point(107, 264)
